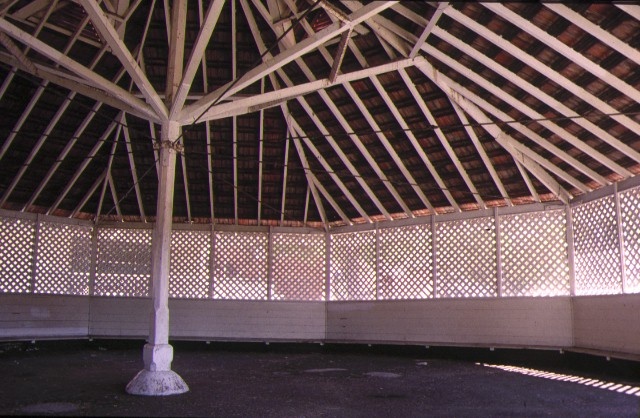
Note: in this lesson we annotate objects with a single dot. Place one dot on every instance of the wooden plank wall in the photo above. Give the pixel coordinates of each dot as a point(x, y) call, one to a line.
point(603, 323)
point(212, 320)
point(607, 323)
point(29, 316)
point(526, 322)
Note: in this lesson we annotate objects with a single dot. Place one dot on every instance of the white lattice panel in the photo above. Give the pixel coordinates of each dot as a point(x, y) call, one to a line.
point(353, 266)
point(597, 252)
point(190, 265)
point(406, 263)
point(124, 262)
point(298, 269)
point(466, 258)
point(17, 238)
point(240, 265)
point(630, 211)
point(534, 254)
point(64, 259)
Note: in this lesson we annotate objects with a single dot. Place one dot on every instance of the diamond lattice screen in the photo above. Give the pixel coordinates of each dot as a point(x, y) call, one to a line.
point(353, 266)
point(466, 258)
point(597, 253)
point(240, 265)
point(298, 270)
point(17, 238)
point(406, 263)
point(124, 262)
point(630, 211)
point(64, 259)
point(534, 254)
point(189, 268)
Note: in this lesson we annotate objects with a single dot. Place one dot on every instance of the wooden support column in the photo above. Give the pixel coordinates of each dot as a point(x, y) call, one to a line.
point(157, 378)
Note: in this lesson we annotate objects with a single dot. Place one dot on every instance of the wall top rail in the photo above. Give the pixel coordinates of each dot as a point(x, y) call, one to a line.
point(448, 217)
point(44, 218)
point(608, 190)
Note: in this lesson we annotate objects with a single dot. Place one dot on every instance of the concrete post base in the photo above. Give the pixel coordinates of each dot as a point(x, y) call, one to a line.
point(158, 383)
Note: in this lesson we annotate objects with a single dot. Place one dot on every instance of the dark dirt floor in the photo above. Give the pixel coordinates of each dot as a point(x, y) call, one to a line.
point(305, 380)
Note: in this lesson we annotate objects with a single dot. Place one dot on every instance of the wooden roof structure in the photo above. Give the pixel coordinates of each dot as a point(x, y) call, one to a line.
point(314, 112)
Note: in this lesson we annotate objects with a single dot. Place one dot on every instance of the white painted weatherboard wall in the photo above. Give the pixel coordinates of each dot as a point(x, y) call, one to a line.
point(210, 319)
point(526, 322)
point(607, 323)
point(29, 316)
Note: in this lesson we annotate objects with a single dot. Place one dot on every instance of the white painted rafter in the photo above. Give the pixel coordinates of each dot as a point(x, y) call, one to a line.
point(307, 171)
point(565, 50)
point(81, 169)
point(483, 104)
point(132, 165)
point(524, 155)
point(560, 132)
point(631, 9)
point(388, 147)
point(89, 76)
point(314, 118)
point(483, 154)
point(176, 51)
point(207, 126)
point(427, 29)
point(539, 94)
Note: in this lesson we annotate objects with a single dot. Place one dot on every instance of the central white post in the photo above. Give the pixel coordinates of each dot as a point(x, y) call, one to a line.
point(157, 378)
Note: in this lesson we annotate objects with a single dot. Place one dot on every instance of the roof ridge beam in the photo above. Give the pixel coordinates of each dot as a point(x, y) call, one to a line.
point(281, 59)
point(279, 96)
point(83, 72)
point(353, 171)
point(119, 49)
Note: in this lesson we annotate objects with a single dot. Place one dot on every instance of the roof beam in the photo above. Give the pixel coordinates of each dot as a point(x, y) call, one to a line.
point(119, 49)
point(344, 159)
point(518, 126)
point(197, 54)
point(282, 95)
point(61, 59)
point(507, 142)
point(87, 195)
point(72, 141)
point(427, 30)
point(307, 172)
point(463, 70)
point(176, 49)
point(194, 110)
point(207, 127)
point(631, 9)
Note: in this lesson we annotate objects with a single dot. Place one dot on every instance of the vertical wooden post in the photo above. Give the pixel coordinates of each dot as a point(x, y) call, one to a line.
point(498, 232)
point(157, 378)
point(571, 259)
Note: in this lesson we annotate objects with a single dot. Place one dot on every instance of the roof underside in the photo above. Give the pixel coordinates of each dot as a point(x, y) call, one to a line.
point(315, 113)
